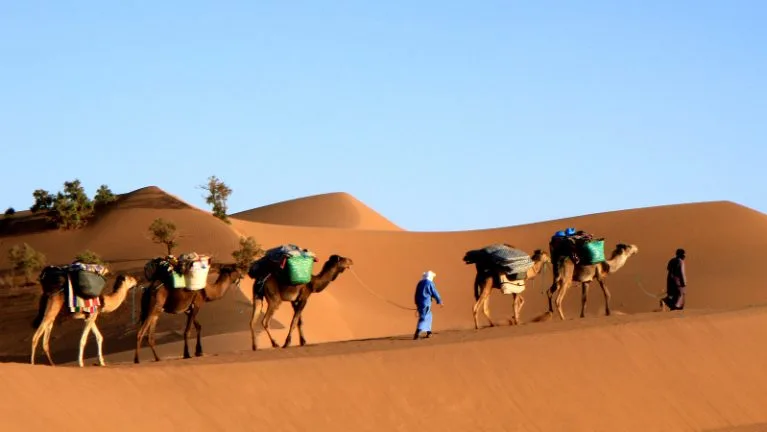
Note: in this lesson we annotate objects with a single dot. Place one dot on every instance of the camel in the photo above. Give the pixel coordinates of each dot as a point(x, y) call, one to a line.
point(158, 298)
point(585, 274)
point(52, 302)
point(276, 291)
point(485, 282)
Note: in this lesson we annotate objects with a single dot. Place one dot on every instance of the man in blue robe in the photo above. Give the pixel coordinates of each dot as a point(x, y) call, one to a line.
point(424, 292)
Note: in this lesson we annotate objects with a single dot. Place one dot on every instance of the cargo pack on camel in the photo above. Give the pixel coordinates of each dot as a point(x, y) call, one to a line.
point(188, 271)
point(580, 246)
point(289, 263)
point(509, 265)
point(87, 280)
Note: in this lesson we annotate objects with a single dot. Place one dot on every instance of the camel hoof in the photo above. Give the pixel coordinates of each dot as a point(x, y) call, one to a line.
point(302, 342)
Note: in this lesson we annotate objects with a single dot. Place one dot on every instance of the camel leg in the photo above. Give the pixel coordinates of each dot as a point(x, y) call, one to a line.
point(188, 330)
point(301, 338)
point(271, 308)
point(562, 288)
point(84, 338)
point(550, 294)
point(484, 299)
point(198, 330)
point(99, 342)
point(519, 301)
point(140, 336)
point(151, 340)
point(46, 342)
point(298, 308)
point(606, 292)
point(144, 325)
point(584, 297)
point(36, 339)
point(253, 320)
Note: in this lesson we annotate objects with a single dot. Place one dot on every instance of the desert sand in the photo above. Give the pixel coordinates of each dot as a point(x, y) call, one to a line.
point(637, 370)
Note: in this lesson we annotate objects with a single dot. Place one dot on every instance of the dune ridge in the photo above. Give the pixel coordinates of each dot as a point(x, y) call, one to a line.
point(335, 210)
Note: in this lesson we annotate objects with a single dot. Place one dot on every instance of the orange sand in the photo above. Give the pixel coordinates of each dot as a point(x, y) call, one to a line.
point(637, 370)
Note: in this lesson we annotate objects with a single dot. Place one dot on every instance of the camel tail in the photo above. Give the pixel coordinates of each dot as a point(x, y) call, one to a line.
point(43, 304)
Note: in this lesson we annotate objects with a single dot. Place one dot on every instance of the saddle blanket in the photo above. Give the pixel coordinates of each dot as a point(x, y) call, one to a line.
point(79, 304)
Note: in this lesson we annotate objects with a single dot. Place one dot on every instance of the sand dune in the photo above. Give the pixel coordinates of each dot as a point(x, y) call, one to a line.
point(336, 210)
point(725, 244)
point(642, 373)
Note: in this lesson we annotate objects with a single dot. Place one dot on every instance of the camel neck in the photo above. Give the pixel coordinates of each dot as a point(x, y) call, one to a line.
point(217, 290)
point(323, 279)
point(535, 269)
point(114, 300)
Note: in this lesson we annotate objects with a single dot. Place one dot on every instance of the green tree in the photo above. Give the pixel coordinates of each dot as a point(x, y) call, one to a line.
point(164, 232)
point(218, 194)
point(72, 207)
point(89, 257)
point(10, 212)
point(104, 196)
point(43, 201)
point(26, 259)
point(249, 250)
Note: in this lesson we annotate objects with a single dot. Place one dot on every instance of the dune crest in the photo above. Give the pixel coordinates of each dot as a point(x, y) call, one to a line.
point(330, 210)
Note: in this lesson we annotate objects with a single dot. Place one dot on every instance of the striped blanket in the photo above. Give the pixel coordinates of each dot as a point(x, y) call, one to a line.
point(79, 304)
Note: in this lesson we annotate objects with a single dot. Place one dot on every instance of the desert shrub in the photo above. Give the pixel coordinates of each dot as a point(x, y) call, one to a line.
point(249, 250)
point(70, 208)
point(164, 232)
point(104, 196)
point(26, 259)
point(89, 257)
point(43, 201)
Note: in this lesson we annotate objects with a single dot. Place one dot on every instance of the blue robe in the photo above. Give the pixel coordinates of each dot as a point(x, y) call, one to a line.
point(424, 292)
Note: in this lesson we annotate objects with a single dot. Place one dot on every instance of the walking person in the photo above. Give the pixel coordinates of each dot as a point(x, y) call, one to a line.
point(425, 290)
point(676, 281)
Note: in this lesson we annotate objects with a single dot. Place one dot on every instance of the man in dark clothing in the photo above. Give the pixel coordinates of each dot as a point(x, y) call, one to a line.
point(676, 282)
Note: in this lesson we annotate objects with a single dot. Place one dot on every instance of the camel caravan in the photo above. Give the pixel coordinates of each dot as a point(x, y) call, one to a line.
point(285, 273)
point(575, 256)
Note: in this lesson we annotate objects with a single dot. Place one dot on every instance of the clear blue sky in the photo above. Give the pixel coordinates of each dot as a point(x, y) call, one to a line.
point(441, 115)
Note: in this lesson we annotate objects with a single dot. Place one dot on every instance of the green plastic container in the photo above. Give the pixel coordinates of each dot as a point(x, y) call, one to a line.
point(593, 251)
point(300, 269)
point(179, 281)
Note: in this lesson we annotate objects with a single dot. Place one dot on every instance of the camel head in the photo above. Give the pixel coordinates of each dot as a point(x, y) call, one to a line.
point(337, 264)
point(541, 256)
point(625, 249)
point(126, 281)
point(342, 263)
point(232, 272)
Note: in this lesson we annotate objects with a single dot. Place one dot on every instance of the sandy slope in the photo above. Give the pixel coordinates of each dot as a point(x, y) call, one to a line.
point(653, 373)
point(470, 373)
